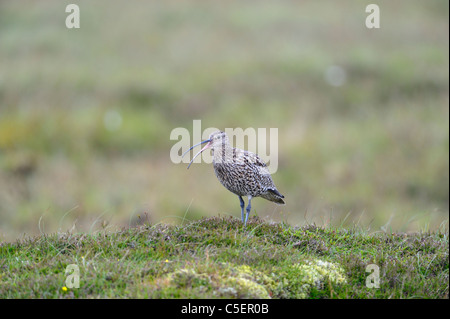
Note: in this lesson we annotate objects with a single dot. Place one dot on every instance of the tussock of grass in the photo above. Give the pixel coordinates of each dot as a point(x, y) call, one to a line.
point(218, 258)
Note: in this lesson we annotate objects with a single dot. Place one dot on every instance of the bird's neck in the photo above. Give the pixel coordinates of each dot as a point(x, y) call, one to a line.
point(223, 154)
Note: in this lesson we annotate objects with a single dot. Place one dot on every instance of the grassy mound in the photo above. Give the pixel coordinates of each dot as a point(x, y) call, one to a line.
point(218, 258)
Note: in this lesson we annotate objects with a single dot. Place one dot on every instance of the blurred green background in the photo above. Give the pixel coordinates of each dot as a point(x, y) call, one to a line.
point(86, 114)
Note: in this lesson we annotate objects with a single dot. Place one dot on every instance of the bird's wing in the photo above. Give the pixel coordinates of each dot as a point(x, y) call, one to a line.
point(250, 158)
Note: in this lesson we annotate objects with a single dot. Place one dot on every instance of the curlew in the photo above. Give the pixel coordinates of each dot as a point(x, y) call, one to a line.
point(241, 172)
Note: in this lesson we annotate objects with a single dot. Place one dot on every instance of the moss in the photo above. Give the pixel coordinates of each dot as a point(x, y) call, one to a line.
point(227, 281)
point(187, 278)
point(243, 281)
point(245, 288)
point(252, 283)
point(302, 278)
point(317, 270)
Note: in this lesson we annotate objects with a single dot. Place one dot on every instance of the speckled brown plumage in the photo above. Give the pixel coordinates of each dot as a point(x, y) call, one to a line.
point(241, 172)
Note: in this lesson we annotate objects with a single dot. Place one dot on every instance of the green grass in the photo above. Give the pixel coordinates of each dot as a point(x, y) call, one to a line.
point(218, 258)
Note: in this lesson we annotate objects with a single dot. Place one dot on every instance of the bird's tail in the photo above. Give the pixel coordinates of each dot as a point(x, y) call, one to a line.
point(274, 196)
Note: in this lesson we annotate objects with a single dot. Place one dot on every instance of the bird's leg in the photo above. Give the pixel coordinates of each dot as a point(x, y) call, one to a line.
point(242, 208)
point(249, 207)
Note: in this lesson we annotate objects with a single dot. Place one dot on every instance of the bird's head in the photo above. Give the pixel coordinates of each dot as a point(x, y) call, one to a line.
point(216, 139)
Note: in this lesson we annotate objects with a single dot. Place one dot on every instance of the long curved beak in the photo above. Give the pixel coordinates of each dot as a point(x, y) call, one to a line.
point(204, 148)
